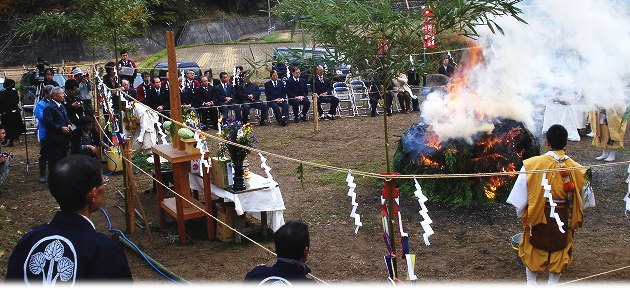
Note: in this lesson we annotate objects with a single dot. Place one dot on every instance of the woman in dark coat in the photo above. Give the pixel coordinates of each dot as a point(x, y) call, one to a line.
point(11, 113)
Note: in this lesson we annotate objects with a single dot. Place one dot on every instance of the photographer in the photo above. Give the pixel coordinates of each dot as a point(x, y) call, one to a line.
point(85, 95)
point(5, 159)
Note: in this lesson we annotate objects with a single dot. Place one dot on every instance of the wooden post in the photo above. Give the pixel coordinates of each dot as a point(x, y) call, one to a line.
point(130, 189)
point(176, 109)
point(315, 114)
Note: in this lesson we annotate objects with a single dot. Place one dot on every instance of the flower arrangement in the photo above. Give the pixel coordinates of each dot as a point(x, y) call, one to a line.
point(236, 132)
point(190, 118)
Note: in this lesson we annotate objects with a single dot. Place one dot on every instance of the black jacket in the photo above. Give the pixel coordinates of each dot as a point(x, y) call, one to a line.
point(78, 252)
point(284, 270)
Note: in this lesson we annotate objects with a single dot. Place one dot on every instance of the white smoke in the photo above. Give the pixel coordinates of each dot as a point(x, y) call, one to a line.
point(577, 51)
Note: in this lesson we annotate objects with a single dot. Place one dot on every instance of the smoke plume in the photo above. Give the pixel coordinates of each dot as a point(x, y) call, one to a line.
point(570, 50)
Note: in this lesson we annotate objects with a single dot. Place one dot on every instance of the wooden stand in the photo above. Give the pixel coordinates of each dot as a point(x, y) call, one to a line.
point(176, 206)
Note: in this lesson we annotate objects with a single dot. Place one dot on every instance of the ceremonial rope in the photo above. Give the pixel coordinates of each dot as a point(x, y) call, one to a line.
point(378, 175)
point(199, 208)
point(594, 275)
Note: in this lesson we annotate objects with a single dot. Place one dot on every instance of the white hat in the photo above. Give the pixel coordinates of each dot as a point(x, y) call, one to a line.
point(77, 71)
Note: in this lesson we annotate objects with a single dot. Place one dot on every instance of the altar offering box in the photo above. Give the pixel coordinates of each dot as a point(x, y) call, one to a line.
point(218, 172)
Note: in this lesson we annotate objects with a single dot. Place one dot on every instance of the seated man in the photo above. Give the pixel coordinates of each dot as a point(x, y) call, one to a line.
point(323, 90)
point(206, 99)
point(68, 249)
point(248, 95)
point(277, 98)
point(298, 95)
point(292, 246)
point(226, 96)
point(129, 93)
point(85, 139)
point(143, 89)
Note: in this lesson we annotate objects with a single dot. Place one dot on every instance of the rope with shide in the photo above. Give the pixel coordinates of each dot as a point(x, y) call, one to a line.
point(378, 175)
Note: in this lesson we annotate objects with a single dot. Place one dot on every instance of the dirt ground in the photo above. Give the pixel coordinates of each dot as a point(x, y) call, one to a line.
point(469, 245)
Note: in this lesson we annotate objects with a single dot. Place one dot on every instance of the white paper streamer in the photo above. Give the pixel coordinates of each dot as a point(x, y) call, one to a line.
point(272, 183)
point(547, 194)
point(202, 145)
point(410, 267)
point(424, 212)
point(354, 203)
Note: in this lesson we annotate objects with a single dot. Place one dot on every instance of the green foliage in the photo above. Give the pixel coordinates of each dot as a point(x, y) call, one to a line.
point(140, 159)
point(96, 21)
point(355, 28)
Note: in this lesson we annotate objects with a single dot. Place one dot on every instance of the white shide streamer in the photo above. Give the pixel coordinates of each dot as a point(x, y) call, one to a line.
point(355, 204)
point(424, 212)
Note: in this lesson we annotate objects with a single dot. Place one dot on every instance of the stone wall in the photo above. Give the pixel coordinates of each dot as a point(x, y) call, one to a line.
point(55, 50)
point(227, 30)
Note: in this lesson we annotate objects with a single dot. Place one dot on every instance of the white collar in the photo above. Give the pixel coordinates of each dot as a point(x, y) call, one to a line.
point(58, 103)
point(556, 157)
point(88, 219)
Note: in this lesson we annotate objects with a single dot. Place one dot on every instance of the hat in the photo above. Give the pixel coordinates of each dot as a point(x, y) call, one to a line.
point(77, 71)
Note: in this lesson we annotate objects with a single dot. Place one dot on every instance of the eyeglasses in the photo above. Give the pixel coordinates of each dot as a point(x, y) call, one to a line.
point(105, 180)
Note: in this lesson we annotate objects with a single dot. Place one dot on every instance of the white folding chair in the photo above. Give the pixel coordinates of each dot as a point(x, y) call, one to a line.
point(346, 104)
point(360, 97)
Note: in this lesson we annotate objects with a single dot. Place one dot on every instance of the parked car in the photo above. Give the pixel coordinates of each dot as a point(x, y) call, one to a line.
point(306, 59)
point(161, 68)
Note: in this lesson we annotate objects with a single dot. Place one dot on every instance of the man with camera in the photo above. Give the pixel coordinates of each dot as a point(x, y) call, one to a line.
point(85, 94)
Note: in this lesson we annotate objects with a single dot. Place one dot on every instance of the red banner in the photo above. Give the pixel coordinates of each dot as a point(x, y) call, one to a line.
point(428, 27)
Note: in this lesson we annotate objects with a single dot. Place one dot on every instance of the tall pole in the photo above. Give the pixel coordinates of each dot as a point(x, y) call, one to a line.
point(176, 109)
point(269, 16)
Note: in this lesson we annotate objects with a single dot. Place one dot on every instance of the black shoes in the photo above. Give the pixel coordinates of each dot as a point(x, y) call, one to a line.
point(303, 118)
point(296, 119)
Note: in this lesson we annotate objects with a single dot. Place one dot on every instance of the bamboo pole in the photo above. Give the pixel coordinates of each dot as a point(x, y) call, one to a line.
point(130, 187)
point(315, 114)
point(390, 185)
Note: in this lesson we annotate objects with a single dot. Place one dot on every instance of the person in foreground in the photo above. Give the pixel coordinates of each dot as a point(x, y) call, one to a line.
point(292, 246)
point(68, 249)
point(543, 246)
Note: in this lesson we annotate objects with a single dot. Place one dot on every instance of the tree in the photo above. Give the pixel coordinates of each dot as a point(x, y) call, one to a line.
point(97, 22)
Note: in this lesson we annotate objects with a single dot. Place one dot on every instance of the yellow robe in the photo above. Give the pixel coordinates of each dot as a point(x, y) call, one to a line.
point(615, 129)
point(535, 259)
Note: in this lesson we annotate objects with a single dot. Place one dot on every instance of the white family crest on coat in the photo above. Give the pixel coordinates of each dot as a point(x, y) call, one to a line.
point(55, 259)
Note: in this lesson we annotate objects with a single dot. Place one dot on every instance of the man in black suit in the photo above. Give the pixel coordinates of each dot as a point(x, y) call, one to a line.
point(206, 99)
point(226, 95)
point(155, 96)
point(323, 88)
point(248, 95)
point(72, 101)
point(298, 95)
point(446, 69)
point(277, 98)
point(58, 128)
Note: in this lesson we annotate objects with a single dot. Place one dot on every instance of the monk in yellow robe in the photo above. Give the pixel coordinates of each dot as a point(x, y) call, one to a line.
point(544, 247)
point(608, 131)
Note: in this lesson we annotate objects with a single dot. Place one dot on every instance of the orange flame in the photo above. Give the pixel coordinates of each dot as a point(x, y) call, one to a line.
point(428, 162)
point(432, 140)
